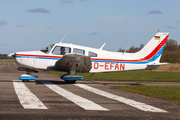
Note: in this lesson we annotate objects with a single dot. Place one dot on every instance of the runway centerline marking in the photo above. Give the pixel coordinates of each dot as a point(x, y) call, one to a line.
point(133, 103)
point(80, 101)
point(27, 99)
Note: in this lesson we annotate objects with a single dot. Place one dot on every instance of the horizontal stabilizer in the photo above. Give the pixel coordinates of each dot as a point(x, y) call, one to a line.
point(157, 64)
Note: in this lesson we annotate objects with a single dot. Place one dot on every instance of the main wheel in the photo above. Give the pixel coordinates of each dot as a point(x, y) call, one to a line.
point(25, 80)
point(70, 81)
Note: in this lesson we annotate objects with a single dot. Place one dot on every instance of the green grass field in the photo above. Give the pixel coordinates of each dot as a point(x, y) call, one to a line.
point(170, 93)
point(7, 60)
point(151, 76)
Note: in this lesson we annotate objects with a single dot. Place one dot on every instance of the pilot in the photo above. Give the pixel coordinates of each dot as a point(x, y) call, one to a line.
point(62, 50)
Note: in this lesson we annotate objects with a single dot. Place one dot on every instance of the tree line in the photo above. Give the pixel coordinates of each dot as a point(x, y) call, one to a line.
point(171, 53)
point(4, 56)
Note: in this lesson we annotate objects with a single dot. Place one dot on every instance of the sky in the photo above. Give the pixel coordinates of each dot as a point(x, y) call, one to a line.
point(28, 25)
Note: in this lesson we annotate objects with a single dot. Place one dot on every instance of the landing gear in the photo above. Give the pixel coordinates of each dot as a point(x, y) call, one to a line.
point(71, 78)
point(26, 77)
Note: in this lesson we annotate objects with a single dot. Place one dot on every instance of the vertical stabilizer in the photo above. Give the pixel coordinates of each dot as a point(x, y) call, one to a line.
point(152, 51)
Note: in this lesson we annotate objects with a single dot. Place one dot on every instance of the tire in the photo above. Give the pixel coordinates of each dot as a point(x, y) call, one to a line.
point(25, 80)
point(71, 81)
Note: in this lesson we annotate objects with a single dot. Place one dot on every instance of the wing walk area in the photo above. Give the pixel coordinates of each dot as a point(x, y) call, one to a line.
point(29, 101)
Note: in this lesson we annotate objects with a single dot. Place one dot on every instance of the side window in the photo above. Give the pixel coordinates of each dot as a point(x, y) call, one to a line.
point(78, 51)
point(58, 50)
point(91, 54)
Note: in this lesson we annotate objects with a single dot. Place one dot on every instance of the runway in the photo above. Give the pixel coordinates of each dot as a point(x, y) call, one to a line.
point(51, 98)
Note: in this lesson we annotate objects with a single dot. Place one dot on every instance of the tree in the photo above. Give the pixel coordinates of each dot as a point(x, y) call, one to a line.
point(171, 45)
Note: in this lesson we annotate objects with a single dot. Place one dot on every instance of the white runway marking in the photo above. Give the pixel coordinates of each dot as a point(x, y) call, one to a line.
point(80, 101)
point(133, 103)
point(27, 99)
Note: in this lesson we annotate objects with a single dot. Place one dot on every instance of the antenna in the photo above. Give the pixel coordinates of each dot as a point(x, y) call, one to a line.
point(63, 37)
point(102, 46)
point(127, 49)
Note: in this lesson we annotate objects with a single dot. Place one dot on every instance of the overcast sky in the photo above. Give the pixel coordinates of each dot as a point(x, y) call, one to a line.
point(33, 24)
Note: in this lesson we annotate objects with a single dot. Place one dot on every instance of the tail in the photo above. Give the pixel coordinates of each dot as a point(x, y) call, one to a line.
point(153, 50)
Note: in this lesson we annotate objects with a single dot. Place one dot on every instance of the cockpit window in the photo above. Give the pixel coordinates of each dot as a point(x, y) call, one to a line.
point(78, 51)
point(59, 50)
point(47, 49)
point(91, 54)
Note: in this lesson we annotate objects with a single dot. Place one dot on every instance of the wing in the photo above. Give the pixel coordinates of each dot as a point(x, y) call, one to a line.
point(74, 63)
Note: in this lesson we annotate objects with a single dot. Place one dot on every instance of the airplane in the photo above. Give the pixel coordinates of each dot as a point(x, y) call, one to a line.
point(73, 58)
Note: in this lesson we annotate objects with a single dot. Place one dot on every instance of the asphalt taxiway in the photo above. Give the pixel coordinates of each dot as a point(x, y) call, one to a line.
point(48, 97)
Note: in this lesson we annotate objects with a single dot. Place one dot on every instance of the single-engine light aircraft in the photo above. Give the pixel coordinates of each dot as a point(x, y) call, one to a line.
point(73, 58)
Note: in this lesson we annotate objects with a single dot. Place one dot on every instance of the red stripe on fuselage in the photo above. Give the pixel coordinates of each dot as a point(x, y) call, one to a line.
point(38, 56)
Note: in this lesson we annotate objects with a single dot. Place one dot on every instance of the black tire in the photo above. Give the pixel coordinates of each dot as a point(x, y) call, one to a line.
point(71, 81)
point(25, 80)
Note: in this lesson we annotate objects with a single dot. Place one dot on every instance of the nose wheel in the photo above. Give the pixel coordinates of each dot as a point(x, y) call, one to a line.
point(26, 77)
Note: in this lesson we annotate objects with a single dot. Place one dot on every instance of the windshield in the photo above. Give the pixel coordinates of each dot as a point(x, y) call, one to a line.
point(47, 49)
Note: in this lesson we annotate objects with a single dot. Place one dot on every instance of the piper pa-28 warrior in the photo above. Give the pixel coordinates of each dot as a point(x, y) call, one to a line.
point(72, 58)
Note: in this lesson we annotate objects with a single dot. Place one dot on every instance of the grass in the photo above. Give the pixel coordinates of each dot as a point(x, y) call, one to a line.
point(151, 76)
point(7, 60)
point(170, 93)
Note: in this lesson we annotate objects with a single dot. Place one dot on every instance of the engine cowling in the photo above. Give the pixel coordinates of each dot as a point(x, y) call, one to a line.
point(74, 62)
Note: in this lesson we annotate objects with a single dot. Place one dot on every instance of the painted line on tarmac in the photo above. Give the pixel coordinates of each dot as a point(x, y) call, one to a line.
point(133, 103)
point(27, 99)
point(80, 101)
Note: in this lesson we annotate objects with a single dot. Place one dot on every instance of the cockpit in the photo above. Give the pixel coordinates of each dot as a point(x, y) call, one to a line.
point(47, 49)
point(62, 50)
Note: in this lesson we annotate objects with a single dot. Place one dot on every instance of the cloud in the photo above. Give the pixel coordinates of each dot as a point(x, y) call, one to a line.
point(94, 33)
point(3, 22)
point(178, 21)
point(66, 1)
point(21, 25)
point(154, 12)
point(38, 9)
point(171, 27)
